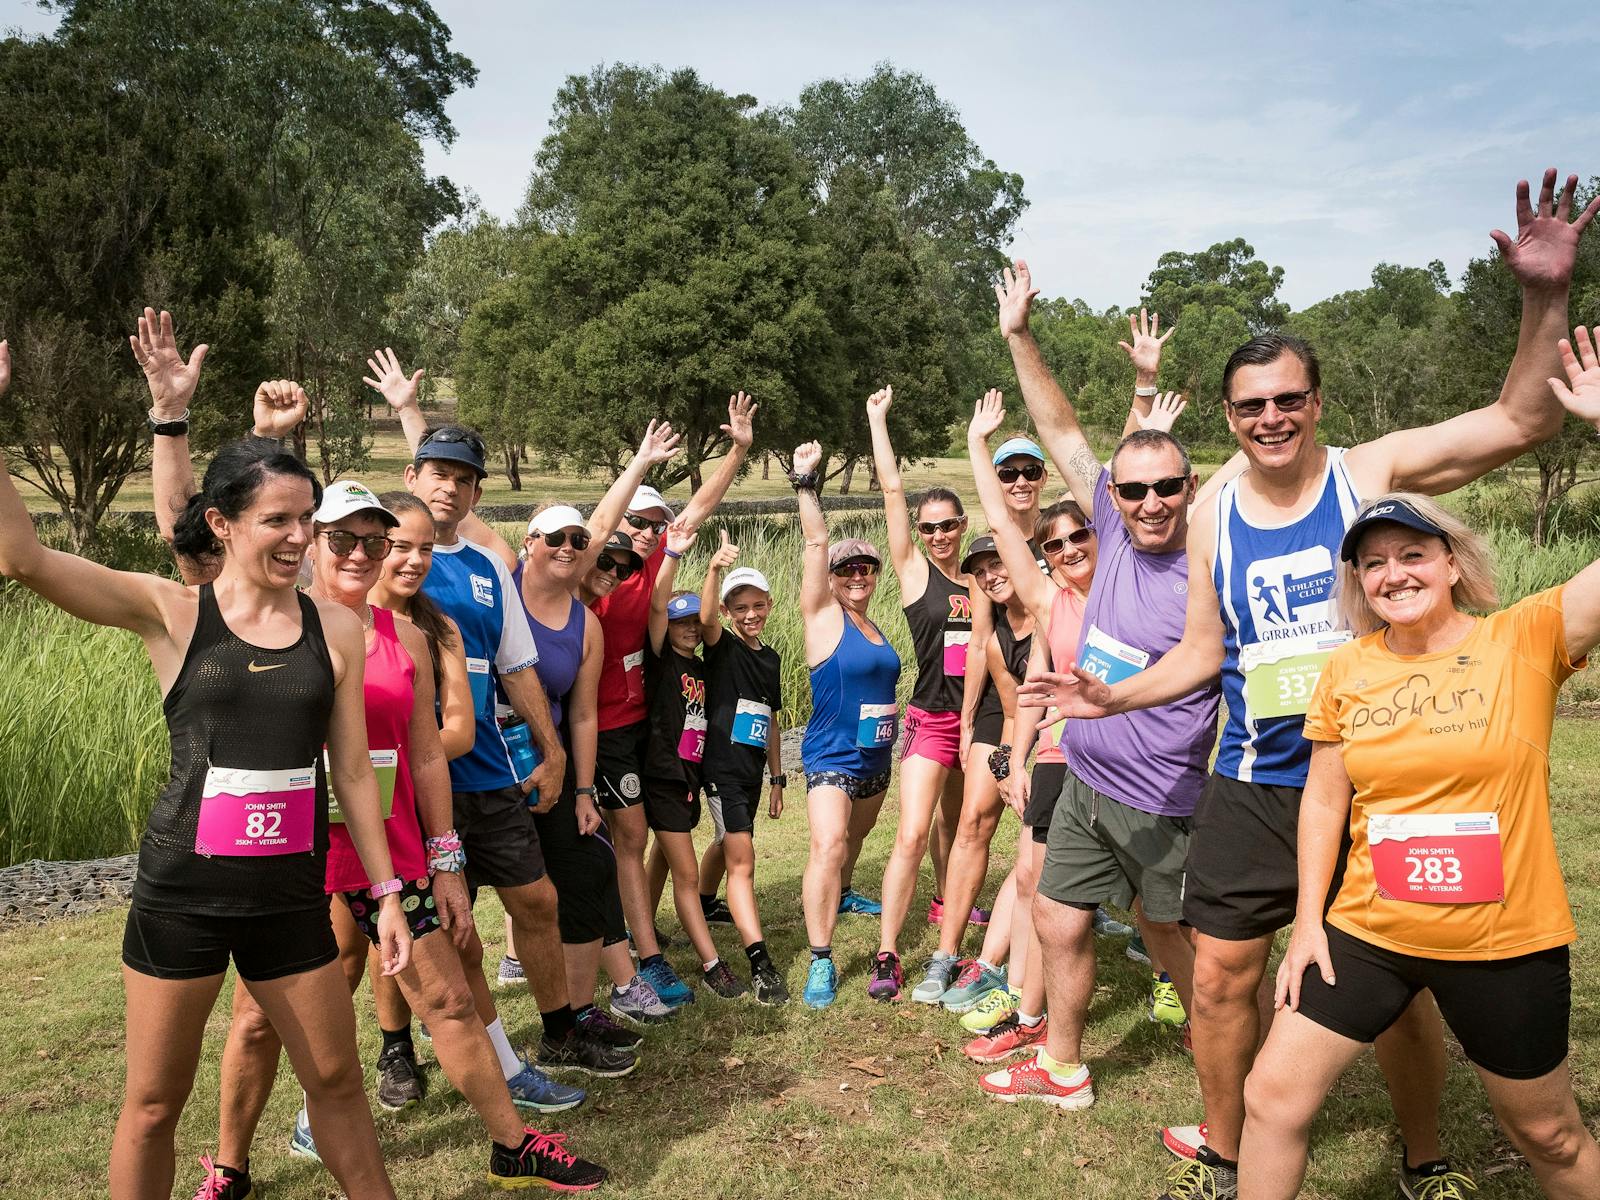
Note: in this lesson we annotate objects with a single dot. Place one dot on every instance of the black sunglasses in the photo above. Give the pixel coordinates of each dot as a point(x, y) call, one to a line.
point(557, 538)
point(1033, 472)
point(948, 525)
point(1077, 537)
point(1287, 402)
point(1165, 488)
point(855, 570)
point(342, 542)
point(641, 523)
point(623, 570)
point(448, 436)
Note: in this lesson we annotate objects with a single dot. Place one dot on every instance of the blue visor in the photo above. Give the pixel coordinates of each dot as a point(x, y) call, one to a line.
point(1013, 447)
point(683, 606)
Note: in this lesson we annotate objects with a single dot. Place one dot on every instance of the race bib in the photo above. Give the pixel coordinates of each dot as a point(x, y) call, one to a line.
point(955, 651)
point(1108, 659)
point(633, 673)
point(752, 723)
point(246, 813)
point(692, 741)
point(385, 763)
point(877, 726)
point(1279, 677)
point(478, 678)
point(1444, 858)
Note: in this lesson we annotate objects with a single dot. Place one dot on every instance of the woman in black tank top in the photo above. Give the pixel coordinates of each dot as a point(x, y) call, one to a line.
point(256, 679)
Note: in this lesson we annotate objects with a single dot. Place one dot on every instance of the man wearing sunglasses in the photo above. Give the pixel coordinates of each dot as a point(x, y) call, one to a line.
point(1261, 615)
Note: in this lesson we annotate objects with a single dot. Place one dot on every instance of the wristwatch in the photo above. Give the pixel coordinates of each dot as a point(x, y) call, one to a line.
point(177, 427)
point(1146, 391)
point(779, 780)
point(591, 792)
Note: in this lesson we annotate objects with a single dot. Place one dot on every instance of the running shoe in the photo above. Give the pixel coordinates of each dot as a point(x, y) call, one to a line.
point(1107, 926)
point(887, 976)
point(978, 916)
point(1008, 1037)
point(638, 1003)
point(1203, 1177)
point(664, 982)
point(991, 1010)
point(1136, 950)
point(972, 985)
point(768, 985)
point(1165, 1007)
point(300, 1140)
point(721, 980)
point(543, 1160)
point(532, 1089)
point(717, 912)
point(582, 1051)
point(853, 902)
point(510, 973)
point(1184, 1140)
point(1029, 1081)
point(224, 1183)
point(935, 978)
point(822, 983)
point(1436, 1180)
point(597, 1025)
point(400, 1083)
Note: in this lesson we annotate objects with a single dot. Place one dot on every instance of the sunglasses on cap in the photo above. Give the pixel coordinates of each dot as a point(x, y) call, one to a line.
point(1165, 488)
point(948, 525)
point(342, 542)
point(447, 436)
point(855, 570)
point(622, 570)
point(642, 523)
point(1033, 472)
point(1287, 402)
point(558, 538)
point(1077, 537)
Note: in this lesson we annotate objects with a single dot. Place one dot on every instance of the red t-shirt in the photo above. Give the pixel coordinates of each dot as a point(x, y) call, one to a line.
point(625, 622)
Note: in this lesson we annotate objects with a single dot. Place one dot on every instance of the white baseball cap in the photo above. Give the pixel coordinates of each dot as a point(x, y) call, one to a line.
point(744, 577)
point(347, 496)
point(647, 498)
point(557, 516)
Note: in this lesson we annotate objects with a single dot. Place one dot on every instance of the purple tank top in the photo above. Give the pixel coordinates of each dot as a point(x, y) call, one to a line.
point(560, 652)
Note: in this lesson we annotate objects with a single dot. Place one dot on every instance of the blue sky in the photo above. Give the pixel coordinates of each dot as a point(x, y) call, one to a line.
point(1331, 136)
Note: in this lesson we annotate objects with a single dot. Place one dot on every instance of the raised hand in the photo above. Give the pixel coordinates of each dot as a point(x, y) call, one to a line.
point(807, 458)
point(1547, 241)
point(988, 415)
point(878, 403)
point(1145, 349)
point(279, 407)
point(1580, 393)
point(741, 420)
point(659, 443)
point(399, 391)
point(680, 538)
point(1015, 292)
point(1164, 412)
point(1075, 693)
point(172, 381)
point(726, 554)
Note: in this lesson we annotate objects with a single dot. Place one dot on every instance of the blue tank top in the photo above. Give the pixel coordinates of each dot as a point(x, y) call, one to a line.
point(854, 716)
point(560, 653)
point(1279, 625)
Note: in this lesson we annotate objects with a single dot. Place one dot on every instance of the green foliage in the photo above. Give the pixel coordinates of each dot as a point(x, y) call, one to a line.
point(1227, 275)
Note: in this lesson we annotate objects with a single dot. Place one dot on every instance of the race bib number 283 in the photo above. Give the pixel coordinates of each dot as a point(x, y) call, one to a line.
point(1437, 858)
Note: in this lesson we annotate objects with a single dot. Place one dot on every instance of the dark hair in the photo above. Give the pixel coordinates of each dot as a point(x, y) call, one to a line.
point(235, 475)
point(425, 614)
point(1269, 348)
point(1150, 439)
point(936, 493)
point(1061, 508)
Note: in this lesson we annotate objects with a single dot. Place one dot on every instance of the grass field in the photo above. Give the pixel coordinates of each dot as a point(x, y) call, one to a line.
point(737, 1101)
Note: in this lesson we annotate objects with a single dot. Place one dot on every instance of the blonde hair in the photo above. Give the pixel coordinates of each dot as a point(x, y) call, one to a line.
point(1473, 590)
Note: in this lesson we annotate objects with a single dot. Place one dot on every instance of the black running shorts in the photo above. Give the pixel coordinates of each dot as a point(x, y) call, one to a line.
point(498, 836)
point(619, 764)
point(669, 805)
point(169, 945)
point(1044, 788)
point(1242, 877)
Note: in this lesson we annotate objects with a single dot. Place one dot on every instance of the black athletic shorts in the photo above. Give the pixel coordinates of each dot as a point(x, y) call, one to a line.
point(1241, 879)
point(416, 901)
point(1044, 788)
point(1511, 1015)
point(619, 764)
point(669, 805)
point(583, 868)
point(498, 836)
point(733, 807)
point(987, 729)
point(169, 945)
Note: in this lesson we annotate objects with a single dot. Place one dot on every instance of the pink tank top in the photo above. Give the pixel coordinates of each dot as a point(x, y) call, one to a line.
point(388, 690)
point(1066, 623)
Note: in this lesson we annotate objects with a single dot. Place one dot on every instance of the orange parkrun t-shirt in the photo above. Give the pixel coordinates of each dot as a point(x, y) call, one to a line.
point(1452, 853)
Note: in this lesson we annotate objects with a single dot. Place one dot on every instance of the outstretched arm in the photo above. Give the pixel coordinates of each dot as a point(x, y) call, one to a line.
point(1579, 394)
point(710, 591)
point(1034, 587)
point(741, 432)
point(659, 445)
point(1144, 349)
point(909, 564)
point(824, 619)
point(172, 383)
point(678, 544)
point(399, 391)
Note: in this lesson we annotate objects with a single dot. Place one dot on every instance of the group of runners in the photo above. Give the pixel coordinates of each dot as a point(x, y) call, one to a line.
point(378, 707)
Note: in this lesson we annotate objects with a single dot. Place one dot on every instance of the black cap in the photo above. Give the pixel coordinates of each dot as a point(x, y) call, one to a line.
point(454, 443)
point(1390, 509)
point(621, 543)
point(980, 548)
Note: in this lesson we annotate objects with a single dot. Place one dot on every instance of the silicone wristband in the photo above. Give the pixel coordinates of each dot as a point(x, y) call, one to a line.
point(387, 888)
point(672, 554)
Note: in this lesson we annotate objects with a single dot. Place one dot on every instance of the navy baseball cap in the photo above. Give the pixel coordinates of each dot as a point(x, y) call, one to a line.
point(1390, 509)
point(683, 606)
point(454, 443)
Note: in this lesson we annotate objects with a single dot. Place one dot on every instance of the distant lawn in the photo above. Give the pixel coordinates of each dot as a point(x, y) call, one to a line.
point(738, 1101)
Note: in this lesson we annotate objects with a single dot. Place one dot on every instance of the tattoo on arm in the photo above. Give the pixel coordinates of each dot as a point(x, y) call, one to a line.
point(1085, 467)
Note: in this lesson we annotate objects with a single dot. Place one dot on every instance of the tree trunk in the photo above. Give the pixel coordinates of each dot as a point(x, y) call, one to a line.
point(513, 470)
point(872, 479)
point(694, 477)
point(1549, 493)
point(844, 479)
point(766, 466)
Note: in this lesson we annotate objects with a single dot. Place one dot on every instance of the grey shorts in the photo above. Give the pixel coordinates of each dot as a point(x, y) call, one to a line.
point(1100, 851)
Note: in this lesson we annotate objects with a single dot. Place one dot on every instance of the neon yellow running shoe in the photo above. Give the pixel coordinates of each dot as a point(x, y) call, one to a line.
point(1165, 1007)
point(996, 1005)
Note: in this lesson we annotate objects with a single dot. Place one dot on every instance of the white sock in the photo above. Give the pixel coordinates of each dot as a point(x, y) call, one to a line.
point(712, 963)
point(985, 966)
point(510, 1064)
point(1030, 1022)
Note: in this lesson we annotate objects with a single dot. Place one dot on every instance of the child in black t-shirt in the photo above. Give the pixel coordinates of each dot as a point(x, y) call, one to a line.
point(743, 695)
point(675, 699)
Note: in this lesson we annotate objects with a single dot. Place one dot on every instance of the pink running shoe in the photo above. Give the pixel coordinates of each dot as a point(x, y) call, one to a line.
point(980, 916)
point(1184, 1140)
point(935, 911)
point(1008, 1037)
point(887, 976)
point(1029, 1081)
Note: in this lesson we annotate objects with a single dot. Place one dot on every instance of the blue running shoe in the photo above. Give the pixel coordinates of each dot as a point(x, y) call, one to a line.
point(300, 1141)
point(853, 902)
point(532, 1089)
point(664, 982)
point(510, 973)
point(1107, 926)
point(822, 983)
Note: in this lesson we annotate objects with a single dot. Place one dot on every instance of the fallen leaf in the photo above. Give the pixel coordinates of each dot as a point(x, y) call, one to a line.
point(844, 1087)
point(731, 1063)
point(866, 1066)
point(917, 1112)
point(1081, 1162)
point(1027, 1152)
